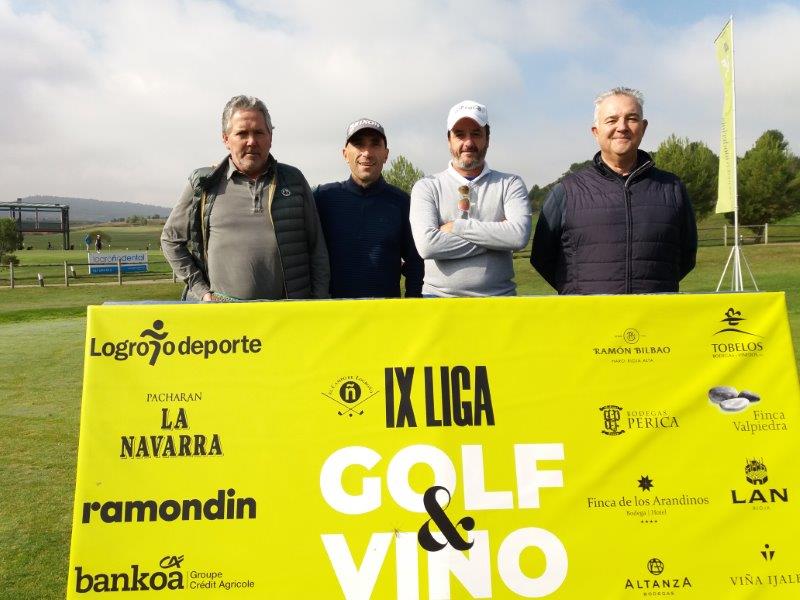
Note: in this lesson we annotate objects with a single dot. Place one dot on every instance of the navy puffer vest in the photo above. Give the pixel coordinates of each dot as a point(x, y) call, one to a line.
point(621, 235)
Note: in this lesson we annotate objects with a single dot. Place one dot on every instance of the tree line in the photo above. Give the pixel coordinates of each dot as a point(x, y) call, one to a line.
point(768, 177)
point(768, 183)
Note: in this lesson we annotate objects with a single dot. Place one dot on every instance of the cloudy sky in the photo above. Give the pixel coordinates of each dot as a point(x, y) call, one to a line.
point(121, 99)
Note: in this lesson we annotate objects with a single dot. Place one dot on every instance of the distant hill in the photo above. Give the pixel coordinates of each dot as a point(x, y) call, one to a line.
point(99, 211)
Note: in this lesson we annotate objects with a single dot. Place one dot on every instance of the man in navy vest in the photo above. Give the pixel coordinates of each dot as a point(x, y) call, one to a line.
point(620, 226)
point(365, 223)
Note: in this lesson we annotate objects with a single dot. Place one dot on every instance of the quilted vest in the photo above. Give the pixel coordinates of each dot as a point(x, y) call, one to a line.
point(621, 236)
point(287, 214)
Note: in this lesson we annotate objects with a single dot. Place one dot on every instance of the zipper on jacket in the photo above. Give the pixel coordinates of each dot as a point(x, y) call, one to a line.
point(273, 185)
point(628, 239)
point(629, 225)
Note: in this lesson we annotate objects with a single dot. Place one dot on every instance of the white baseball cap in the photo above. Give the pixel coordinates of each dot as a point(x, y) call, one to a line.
point(469, 109)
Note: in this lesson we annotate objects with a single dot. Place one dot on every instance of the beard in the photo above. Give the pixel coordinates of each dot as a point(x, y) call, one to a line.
point(469, 165)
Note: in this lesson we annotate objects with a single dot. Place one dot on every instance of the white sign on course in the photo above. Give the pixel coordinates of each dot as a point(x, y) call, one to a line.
point(101, 263)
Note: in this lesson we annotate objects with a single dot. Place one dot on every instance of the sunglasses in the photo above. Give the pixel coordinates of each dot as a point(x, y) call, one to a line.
point(463, 202)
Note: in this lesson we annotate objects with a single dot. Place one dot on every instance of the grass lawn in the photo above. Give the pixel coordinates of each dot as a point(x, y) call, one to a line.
point(121, 236)
point(50, 263)
point(53, 302)
point(41, 367)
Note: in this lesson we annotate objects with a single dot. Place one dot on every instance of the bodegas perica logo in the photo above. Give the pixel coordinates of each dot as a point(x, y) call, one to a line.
point(154, 341)
point(617, 420)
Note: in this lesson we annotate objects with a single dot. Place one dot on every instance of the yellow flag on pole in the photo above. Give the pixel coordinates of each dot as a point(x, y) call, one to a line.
point(726, 190)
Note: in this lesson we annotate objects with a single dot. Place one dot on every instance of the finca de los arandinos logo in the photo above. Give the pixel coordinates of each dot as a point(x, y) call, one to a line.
point(153, 342)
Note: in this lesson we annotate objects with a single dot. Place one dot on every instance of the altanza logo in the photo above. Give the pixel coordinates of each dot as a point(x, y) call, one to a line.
point(169, 577)
point(154, 343)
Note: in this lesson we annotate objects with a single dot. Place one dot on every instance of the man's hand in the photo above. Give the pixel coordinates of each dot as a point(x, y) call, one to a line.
point(447, 227)
point(208, 297)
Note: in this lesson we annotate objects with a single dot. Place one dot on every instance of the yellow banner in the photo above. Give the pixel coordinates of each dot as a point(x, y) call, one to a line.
point(555, 447)
point(726, 187)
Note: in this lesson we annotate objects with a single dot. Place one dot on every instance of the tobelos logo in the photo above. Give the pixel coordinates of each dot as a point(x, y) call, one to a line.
point(153, 343)
point(733, 318)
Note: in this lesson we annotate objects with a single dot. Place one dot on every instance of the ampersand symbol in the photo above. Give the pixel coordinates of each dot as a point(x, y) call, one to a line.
point(436, 512)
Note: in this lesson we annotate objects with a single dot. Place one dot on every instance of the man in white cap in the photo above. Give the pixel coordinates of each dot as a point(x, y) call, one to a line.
point(468, 219)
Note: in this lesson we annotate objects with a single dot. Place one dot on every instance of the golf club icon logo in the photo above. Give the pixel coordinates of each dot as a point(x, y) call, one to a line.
point(350, 394)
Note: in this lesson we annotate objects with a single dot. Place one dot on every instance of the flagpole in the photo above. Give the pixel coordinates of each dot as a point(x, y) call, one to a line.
point(737, 263)
point(736, 255)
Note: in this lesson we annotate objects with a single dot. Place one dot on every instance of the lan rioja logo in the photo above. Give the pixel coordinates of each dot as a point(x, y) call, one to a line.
point(755, 473)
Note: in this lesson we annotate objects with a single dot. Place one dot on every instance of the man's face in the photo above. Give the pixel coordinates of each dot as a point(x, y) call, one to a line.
point(468, 144)
point(619, 128)
point(366, 153)
point(248, 140)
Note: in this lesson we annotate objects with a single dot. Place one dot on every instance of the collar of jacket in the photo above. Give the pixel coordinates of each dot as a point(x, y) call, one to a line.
point(207, 182)
point(373, 188)
point(643, 163)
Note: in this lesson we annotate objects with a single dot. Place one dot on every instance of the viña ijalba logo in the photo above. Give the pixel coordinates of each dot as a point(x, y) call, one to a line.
point(153, 343)
point(168, 576)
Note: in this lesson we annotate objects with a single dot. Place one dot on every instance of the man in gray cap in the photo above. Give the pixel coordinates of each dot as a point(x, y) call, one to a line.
point(247, 228)
point(468, 219)
point(365, 223)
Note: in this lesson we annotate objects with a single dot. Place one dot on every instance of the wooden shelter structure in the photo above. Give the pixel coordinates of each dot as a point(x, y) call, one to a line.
point(29, 218)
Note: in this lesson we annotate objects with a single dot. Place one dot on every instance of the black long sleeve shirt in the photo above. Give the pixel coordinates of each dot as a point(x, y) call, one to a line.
point(369, 240)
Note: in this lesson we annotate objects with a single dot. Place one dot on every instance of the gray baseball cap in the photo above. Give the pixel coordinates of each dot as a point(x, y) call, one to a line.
point(363, 123)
